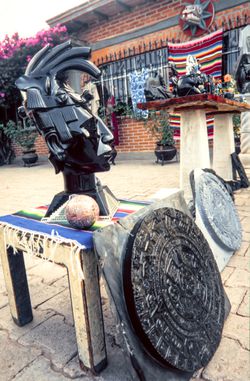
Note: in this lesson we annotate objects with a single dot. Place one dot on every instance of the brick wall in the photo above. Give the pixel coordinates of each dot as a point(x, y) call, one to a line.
point(143, 15)
point(41, 147)
point(152, 13)
point(133, 136)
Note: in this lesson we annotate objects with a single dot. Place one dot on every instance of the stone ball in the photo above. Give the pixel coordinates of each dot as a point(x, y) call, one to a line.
point(82, 211)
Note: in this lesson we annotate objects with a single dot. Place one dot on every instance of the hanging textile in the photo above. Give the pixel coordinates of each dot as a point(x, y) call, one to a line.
point(208, 51)
point(137, 85)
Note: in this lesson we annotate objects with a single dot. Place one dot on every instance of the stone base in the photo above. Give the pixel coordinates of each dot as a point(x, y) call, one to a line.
point(113, 247)
point(110, 245)
point(163, 193)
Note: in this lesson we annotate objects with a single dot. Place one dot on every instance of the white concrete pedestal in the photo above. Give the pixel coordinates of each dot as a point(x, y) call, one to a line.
point(223, 145)
point(245, 137)
point(194, 150)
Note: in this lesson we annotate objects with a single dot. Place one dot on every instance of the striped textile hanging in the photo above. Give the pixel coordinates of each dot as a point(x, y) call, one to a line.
point(208, 51)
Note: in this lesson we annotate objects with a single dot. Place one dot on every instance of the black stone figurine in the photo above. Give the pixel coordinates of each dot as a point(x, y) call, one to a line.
point(156, 88)
point(194, 81)
point(78, 141)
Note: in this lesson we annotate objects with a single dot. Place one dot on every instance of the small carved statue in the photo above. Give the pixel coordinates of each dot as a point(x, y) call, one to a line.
point(156, 88)
point(78, 141)
point(194, 81)
point(242, 72)
point(173, 77)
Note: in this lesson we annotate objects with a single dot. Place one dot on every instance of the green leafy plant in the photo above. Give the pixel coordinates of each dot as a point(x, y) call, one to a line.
point(123, 109)
point(25, 136)
point(158, 125)
point(7, 154)
point(236, 125)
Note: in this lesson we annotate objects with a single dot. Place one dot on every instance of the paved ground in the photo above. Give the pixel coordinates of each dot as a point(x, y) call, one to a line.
point(45, 350)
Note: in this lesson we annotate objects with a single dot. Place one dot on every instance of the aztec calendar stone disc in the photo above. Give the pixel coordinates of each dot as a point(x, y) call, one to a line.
point(173, 290)
point(218, 211)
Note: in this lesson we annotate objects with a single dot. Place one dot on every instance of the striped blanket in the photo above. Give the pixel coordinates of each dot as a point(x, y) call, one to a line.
point(29, 221)
point(208, 51)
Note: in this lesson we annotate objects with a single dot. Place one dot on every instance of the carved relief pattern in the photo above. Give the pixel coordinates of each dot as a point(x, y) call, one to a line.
point(177, 306)
point(217, 208)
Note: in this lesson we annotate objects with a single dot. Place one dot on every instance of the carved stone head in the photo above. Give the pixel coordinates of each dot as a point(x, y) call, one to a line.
point(76, 138)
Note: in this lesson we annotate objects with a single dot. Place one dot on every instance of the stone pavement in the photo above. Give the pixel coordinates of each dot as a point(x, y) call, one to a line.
point(45, 349)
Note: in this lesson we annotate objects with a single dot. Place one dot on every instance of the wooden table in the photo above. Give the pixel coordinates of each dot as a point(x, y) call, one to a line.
point(194, 149)
point(25, 232)
point(82, 269)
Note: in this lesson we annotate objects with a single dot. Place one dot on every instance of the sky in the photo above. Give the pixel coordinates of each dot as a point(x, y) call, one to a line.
point(29, 16)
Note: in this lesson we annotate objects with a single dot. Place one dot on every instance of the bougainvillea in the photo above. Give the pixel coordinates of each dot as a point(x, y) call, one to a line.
point(15, 53)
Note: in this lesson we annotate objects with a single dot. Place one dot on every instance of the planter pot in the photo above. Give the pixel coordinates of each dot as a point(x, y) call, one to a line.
point(29, 157)
point(164, 153)
point(228, 95)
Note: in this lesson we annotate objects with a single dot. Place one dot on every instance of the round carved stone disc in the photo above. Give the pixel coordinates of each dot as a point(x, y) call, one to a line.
point(173, 290)
point(218, 211)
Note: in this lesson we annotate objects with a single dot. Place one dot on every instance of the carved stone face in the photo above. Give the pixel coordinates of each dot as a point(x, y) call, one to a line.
point(192, 14)
point(75, 137)
point(90, 151)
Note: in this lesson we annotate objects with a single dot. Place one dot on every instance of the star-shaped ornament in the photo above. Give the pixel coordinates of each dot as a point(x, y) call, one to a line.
point(197, 16)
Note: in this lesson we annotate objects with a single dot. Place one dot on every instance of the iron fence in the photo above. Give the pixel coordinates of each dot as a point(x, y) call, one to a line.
point(115, 77)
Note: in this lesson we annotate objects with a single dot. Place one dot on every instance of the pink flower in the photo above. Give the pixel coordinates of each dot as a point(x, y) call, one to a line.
point(2, 95)
point(9, 46)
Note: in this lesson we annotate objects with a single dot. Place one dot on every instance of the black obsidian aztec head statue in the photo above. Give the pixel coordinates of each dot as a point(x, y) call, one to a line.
point(76, 139)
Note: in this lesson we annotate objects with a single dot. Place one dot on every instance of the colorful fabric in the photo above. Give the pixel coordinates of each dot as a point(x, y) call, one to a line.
point(30, 221)
point(208, 51)
point(137, 85)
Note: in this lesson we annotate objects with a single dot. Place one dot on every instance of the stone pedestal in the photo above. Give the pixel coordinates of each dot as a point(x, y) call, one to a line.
point(194, 150)
point(245, 138)
point(223, 145)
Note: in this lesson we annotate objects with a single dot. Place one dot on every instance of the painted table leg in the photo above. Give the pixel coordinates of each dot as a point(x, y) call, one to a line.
point(87, 311)
point(223, 145)
point(16, 283)
point(194, 150)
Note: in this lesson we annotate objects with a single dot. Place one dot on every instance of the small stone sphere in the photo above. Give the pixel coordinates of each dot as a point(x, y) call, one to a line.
point(82, 211)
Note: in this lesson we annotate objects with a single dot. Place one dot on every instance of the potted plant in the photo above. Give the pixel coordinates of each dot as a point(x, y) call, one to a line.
point(24, 134)
point(158, 125)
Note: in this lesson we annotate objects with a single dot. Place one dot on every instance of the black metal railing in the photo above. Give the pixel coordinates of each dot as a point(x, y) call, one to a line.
point(116, 75)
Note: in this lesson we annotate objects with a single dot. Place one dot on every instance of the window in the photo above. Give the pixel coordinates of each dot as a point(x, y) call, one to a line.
point(230, 51)
point(115, 75)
